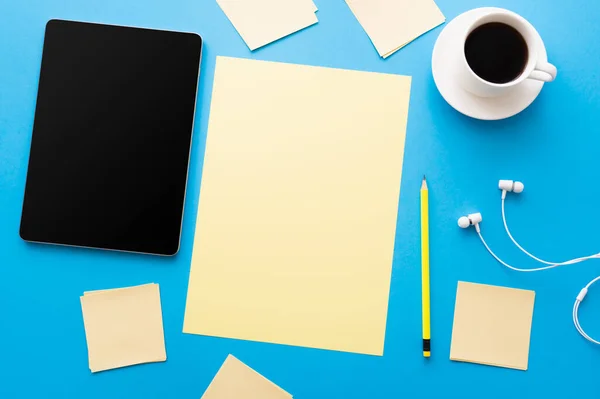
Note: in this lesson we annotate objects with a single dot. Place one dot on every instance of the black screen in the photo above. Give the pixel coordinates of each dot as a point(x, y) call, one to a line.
point(111, 137)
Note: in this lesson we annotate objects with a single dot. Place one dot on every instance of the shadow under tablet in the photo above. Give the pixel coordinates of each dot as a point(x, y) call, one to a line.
point(111, 137)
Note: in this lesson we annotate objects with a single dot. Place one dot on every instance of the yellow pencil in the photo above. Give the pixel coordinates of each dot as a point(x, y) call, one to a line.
point(425, 268)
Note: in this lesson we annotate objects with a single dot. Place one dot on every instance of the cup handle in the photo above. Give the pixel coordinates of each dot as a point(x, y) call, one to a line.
point(543, 71)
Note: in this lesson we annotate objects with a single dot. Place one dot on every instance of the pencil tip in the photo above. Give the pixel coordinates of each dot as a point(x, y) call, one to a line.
point(424, 179)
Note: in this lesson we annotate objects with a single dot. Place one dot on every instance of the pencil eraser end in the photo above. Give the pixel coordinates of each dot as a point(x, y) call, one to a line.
point(426, 354)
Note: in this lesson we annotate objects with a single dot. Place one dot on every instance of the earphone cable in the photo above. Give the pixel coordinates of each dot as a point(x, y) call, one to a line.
point(512, 267)
point(475, 219)
point(578, 325)
point(578, 301)
point(568, 262)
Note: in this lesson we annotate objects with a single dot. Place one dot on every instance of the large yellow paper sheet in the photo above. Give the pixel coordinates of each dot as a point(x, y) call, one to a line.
point(392, 24)
point(492, 325)
point(235, 380)
point(298, 205)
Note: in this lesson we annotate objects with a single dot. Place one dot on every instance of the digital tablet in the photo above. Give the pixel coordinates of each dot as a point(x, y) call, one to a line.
point(111, 137)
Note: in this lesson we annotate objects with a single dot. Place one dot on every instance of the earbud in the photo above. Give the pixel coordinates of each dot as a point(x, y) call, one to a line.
point(470, 220)
point(510, 185)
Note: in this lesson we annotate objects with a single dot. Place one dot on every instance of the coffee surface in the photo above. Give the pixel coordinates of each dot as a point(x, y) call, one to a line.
point(496, 52)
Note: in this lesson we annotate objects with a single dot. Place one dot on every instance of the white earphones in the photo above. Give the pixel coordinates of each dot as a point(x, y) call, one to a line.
point(475, 218)
point(470, 220)
point(510, 185)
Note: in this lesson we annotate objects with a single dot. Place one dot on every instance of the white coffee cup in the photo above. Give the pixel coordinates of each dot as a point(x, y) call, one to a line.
point(534, 68)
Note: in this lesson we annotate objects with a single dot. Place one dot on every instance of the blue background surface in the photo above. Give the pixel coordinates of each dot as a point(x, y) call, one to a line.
point(552, 147)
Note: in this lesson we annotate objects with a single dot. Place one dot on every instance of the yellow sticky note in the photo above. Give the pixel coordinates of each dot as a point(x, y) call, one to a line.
point(492, 325)
point(136, 287)
point(298, 205)
point(394, 50)
point(123, 327)
point(391, 24)
point(264, 21)
point(235, 380)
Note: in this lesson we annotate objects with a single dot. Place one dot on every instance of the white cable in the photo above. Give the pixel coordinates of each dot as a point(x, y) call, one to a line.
point(512, 267)
point(578, 301)
point(549, 265)
point(578, 326)
point(552, 264)
point(515, 241)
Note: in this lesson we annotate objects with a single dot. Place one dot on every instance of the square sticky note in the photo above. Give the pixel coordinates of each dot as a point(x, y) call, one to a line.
point(298, 205)
point(391, 24)
point(492, 325)
point(260, 22)
point(235, 380)
point(123, 327)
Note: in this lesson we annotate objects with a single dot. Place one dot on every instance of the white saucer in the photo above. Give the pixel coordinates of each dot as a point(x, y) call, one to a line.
point(449, 47)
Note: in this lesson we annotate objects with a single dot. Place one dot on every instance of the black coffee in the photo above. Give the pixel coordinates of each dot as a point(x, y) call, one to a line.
point(496, 52)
